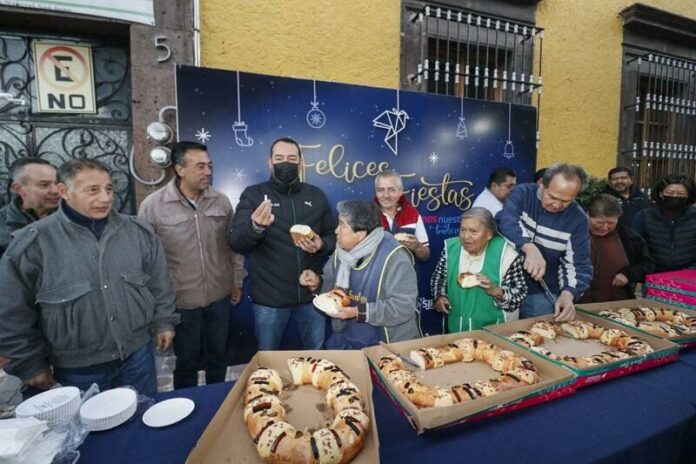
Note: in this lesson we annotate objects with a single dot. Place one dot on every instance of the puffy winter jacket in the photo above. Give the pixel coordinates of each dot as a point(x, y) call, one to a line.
point(671, 242)
point(273, 261)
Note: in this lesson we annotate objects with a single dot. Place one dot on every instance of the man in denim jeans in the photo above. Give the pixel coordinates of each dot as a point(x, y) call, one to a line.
point(84, 291)
point(261, 229)
point(192, 220)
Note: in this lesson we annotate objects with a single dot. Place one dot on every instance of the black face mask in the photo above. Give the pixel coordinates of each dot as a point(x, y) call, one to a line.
point(673, 203)
point(285, 172)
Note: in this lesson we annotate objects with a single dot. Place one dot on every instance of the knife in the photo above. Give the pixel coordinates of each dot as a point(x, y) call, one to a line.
point(399, 355)
point(549, 295)
point(545, 287)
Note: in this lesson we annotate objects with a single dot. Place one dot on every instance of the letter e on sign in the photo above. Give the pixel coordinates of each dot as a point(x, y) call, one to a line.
point(64, 78)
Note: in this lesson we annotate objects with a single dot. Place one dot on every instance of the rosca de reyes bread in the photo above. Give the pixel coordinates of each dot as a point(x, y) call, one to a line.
point(623, 345)
point(516, 371)
point(300, 231)
point(468, 280)
point(332, 301)
point(278, 441)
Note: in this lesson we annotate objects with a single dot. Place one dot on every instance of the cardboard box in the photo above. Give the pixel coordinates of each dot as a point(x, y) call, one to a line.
point(555, 382)
point(685, 341)
point(226, 439)
point(665, 351)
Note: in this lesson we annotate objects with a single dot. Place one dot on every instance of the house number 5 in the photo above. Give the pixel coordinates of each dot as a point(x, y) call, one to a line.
point(160, 43)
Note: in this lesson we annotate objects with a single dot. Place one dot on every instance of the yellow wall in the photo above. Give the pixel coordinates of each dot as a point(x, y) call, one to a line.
point(358, 42)
point(354, 41)
point(582, 78)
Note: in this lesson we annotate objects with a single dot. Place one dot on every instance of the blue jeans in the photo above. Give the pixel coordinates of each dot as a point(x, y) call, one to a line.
point(137, 370)
point(201, 343)
point(536, 304)
point(270, 324)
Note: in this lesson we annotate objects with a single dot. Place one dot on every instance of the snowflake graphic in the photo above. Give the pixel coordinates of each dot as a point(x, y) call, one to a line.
point(434, 157)
point(203, 135)
point(316, 119)
point(239, 174)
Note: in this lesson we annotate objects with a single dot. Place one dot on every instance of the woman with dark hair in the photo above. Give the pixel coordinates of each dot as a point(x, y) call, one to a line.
point(669, 227)
point(619, 255)
point(377, 274)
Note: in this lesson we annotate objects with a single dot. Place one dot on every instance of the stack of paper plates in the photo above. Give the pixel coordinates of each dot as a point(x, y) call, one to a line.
point(109, 409)
point(57, 406)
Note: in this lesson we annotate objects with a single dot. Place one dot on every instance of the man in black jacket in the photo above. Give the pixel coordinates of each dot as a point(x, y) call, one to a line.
point(632, 200)
point(261, 230)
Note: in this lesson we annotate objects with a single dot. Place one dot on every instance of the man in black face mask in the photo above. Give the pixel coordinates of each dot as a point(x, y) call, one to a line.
point(669, 227)
point(261, 230)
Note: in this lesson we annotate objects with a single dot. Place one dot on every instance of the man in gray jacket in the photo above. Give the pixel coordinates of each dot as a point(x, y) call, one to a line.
point(33, 195)
point(84, 291)
point(377, 273)
point(192, 221)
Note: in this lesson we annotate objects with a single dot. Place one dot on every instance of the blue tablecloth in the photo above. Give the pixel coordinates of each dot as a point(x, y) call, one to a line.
point(648, 417)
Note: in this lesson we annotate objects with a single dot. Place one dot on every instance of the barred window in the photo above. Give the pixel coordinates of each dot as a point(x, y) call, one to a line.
point(473, 54)
point(658, 117)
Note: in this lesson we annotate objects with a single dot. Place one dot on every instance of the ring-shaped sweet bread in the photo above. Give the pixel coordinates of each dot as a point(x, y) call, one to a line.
point(277, 441)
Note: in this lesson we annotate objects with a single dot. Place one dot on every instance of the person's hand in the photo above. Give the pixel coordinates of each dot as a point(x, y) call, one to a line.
point(43, 381)
point(619, 280)
point(310, 279)
point(534, 262)
point(310, 245)
point(442, 304)
point(486, 284)
point(236, 296)
point(564, 309)
point(346, 312)
point(410, 241)
point(164, 339)
point(263, 215)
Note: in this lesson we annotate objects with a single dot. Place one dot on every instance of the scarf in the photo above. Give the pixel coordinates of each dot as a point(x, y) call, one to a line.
point(349, 259)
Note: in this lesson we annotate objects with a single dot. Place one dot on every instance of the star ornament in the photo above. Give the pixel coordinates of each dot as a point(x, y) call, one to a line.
point(434, 158)
point(394, 121)
point(203, 135)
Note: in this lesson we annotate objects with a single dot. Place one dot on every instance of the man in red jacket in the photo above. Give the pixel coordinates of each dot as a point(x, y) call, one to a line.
point(399, 216)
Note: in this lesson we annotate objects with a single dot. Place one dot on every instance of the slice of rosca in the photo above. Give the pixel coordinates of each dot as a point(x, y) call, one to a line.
point(300, 231)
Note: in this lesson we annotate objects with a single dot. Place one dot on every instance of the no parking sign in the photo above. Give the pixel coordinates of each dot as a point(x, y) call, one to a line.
point(64, 78)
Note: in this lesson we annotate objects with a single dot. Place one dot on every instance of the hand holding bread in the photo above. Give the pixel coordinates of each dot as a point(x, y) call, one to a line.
point(305, 238)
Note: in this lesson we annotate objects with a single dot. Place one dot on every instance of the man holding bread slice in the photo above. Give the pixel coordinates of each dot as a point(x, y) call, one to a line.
point(400, 217)
point(277, 255)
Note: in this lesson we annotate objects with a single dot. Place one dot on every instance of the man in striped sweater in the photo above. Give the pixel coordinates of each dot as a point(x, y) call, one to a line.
point(545, 223)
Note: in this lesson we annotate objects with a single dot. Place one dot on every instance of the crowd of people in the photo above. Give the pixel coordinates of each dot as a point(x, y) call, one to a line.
point(88, 294)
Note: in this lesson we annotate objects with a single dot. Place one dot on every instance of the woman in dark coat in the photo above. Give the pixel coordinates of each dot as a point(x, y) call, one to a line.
point(620, 256)
point(669, 227)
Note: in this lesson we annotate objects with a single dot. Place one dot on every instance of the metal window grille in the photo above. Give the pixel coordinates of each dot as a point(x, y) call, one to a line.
point(465, 53)
point(663, 115)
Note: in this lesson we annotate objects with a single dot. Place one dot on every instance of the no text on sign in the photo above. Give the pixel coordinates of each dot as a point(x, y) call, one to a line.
point(64, 78)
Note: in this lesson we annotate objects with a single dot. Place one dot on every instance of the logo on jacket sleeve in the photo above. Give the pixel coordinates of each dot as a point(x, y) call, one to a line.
point(308, 203)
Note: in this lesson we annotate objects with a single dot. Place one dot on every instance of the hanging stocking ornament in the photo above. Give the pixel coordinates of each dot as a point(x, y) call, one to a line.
point(240, 127)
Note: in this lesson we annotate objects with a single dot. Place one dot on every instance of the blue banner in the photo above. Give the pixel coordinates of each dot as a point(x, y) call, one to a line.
point(444, 147)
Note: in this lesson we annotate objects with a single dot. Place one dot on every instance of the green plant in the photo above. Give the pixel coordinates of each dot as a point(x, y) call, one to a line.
point(594, 187)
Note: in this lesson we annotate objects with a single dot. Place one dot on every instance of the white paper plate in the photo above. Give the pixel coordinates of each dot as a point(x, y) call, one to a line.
point(168, 412)
point(322, 308)
point(109, 409)
point(58, 405)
